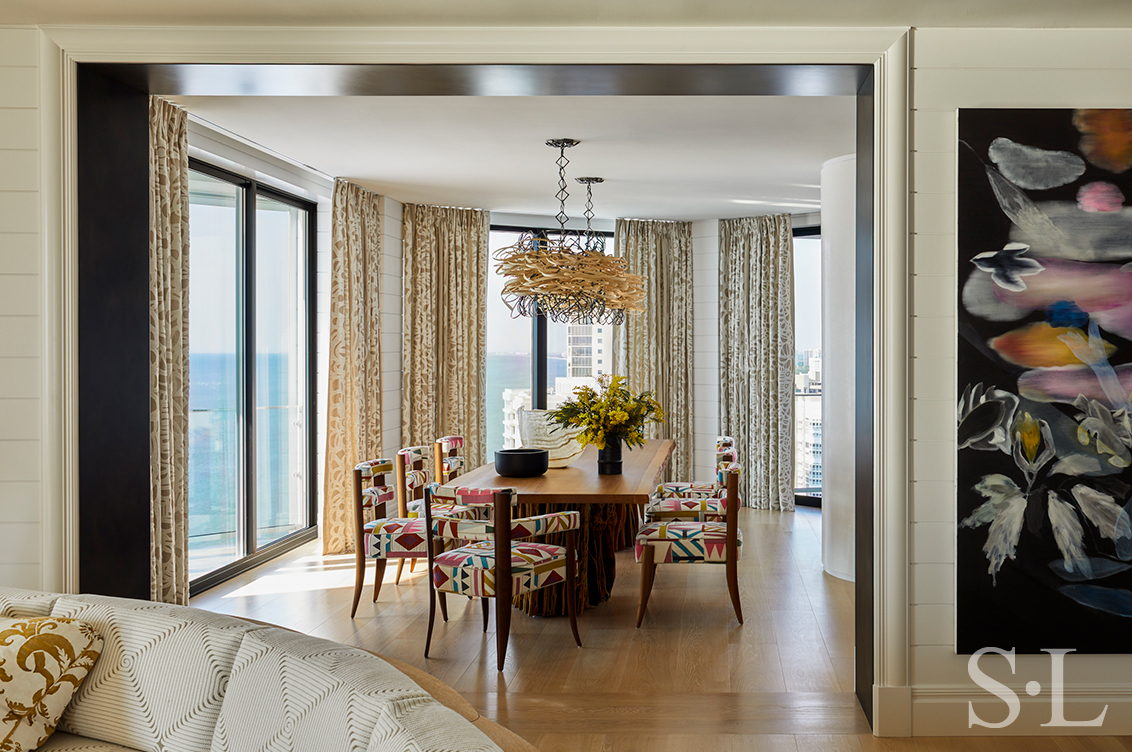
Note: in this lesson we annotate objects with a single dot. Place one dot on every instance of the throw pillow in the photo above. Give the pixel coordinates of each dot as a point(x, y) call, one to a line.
point(42, 662)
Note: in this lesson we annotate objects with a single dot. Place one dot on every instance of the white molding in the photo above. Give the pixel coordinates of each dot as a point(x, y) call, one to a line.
point(68, 312)
point(884, 48)
point(892, 711)
point(943, 710)
point(408, 44)
point(891, 333)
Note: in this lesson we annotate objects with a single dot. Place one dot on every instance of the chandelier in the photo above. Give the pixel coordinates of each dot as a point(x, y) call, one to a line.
point(567, 277)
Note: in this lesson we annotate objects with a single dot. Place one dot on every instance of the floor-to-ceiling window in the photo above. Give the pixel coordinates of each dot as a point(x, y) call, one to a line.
point(576, 354)
point(807, 369)
point(251, 466)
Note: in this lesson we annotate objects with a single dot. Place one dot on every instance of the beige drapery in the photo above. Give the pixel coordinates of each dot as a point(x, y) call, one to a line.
point(654, 349)
point(353, 397)
point(756, 354)
point(443, 326)
point(168, 352)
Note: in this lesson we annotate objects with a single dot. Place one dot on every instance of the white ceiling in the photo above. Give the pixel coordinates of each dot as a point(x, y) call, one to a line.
point(922, 13)
point(662, 157)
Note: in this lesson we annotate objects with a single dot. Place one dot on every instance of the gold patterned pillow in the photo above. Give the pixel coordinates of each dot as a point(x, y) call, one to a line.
point(42, 662)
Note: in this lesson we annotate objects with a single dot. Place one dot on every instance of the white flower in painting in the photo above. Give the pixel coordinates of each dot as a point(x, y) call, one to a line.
point(1068, 534)
point(1004, 509)
point(1008, 266)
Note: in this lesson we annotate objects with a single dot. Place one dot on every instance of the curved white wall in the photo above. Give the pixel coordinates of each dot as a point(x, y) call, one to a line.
point(838, 254)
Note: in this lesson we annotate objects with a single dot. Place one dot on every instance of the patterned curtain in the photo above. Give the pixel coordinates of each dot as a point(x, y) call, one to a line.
point(168, 352)
point(756, 354)
point(353, 395)
point(443, 326)
point(654, 349)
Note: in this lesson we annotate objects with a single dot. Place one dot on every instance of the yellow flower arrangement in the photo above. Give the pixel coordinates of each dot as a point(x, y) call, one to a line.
point(609, 412)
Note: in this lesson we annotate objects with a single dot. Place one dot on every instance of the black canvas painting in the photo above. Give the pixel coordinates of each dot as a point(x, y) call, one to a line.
point(1044, 550)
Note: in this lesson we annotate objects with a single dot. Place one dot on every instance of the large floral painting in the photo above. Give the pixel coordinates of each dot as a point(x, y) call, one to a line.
point(1044, 552)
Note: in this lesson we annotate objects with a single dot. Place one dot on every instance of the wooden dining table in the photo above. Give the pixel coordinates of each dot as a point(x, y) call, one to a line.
point(609, 505)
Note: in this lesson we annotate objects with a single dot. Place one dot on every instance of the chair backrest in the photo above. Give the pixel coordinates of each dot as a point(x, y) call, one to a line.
point(730, 477)
point(411, 476)
point(447, 447)
point(371, 490)
point(503, 499)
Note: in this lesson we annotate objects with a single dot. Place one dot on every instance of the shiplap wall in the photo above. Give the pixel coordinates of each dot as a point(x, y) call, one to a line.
point(21, 365)
point(959, 69)
point(705, 325)
point(391, 327)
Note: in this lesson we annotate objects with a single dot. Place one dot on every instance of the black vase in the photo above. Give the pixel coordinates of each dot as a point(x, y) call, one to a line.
point(609, 458)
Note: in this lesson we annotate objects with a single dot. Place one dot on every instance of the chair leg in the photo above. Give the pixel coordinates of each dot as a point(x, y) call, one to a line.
point(431, 616)
point(502, 628)
point(359, 580)
point(443, 605)
point(648, 572)
point(379, 576)
point(412, 565)
point(572, 588)
point(486, 607)
point(733, 587)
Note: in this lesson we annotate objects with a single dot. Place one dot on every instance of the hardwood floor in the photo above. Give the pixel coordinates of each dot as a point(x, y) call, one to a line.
point(689, 680)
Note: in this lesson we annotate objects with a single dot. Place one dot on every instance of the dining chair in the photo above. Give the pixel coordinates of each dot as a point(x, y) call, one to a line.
point(695, 502)
point(411, 478)
point(474, 569)
point(447, 462)
point(383, 537)
point(683, 541)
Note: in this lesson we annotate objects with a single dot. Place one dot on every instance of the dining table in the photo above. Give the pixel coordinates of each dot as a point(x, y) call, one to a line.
point(610, 507)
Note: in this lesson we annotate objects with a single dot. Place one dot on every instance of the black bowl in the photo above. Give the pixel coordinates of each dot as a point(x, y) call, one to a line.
point(521, 463)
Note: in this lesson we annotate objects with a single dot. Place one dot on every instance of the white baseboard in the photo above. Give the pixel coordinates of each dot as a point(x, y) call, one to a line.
point(943, 711)
point(892, 711)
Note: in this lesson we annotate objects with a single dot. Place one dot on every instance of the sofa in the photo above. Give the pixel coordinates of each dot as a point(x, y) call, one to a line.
point(179, 679)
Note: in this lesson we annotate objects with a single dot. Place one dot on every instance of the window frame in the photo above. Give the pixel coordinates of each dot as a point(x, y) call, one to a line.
point(805, 499)
point(253, 554)
point(539, 335)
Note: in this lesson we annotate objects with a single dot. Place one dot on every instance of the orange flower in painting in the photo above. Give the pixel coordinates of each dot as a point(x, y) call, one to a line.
point(1106, 137)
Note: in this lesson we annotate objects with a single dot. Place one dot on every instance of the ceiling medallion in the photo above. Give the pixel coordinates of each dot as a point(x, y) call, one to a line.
point(566, 276)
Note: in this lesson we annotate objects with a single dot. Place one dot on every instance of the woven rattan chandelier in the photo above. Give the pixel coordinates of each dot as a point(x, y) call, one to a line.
point(568, 278)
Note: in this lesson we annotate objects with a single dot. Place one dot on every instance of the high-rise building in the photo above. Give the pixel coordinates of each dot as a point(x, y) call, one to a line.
point(587, 351)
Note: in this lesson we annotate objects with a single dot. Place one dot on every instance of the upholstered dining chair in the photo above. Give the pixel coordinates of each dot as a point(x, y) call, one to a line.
point(665, 542)
point(401, 536)
point(447, 462)
point(412, 476)
point(695, 502)
point(476, 570)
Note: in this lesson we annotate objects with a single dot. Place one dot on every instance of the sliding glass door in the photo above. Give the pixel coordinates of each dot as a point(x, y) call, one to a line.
point(251, 468)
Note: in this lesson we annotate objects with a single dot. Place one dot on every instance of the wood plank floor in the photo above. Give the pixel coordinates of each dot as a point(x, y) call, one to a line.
point(690, 680)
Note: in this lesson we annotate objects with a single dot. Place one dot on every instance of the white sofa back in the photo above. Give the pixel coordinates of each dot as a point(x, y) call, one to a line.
point(178, 679)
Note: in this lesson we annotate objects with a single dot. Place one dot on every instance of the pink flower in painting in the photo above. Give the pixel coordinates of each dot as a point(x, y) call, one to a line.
point(1099, 197)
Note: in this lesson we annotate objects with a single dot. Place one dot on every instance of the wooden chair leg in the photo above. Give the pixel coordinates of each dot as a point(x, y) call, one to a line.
point(572, 586)
point(412, 565)
point(443, 605)
point(733, 587)
point(431, 615)
point(648, 573)
point(400, 566)
point(437, 548)
point(379, 576)
point(502, 628)
point(359, 579)
point(486, 607)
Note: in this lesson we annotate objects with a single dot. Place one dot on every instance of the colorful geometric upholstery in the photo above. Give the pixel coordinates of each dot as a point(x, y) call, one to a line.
point(524, 527)
point(370, 468)
point(686, 542)
point(722, 442)
point(692, 509)
point(470, 570)
point(396, 539)
point(375, 495)
point(416, 509)
point(414, 454)
point(453, 466)
point(415, 479)
point(686, 490)
point(448, 443)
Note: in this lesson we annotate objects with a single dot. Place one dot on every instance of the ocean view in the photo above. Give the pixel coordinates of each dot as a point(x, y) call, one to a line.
point(510, 371)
